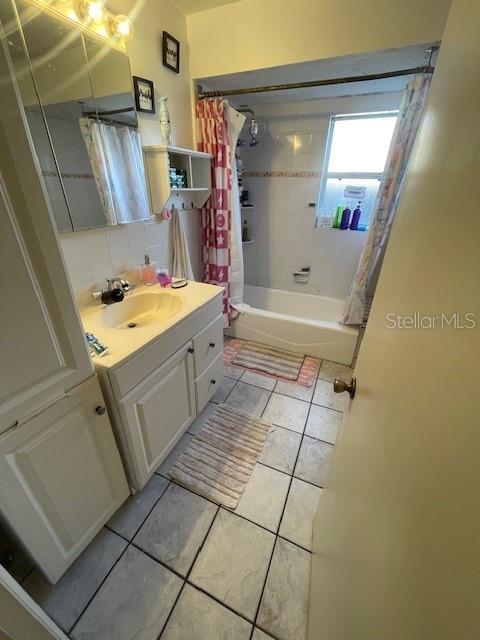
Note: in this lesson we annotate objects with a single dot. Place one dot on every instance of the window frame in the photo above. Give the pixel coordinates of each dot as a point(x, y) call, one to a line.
point(355, 175)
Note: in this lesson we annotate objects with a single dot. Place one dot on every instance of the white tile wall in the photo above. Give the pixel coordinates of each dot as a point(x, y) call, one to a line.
point(92, 256)
point(293, 138)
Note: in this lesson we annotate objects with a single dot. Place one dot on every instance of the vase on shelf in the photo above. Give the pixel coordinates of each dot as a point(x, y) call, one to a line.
point(165, 125)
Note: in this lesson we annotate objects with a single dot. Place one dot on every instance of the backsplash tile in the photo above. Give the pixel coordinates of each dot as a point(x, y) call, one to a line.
point(94, 255)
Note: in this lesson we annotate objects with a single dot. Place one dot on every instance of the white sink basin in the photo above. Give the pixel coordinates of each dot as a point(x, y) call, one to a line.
point(140, 310)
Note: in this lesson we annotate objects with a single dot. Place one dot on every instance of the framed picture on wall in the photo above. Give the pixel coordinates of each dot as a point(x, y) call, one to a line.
point(171, 52)
point(144, 95)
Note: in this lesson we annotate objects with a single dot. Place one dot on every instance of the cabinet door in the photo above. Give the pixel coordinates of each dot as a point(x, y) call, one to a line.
point(158, 411)
point(41, 342)
point(61, 478)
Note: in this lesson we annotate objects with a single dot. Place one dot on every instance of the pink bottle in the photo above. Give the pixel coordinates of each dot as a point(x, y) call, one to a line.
point(147, 272)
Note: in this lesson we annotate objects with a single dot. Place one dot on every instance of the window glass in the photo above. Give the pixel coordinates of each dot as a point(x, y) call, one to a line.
point(357, 153)
point(360, 144)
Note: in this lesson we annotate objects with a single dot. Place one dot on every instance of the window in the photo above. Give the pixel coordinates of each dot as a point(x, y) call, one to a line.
point(356, 153)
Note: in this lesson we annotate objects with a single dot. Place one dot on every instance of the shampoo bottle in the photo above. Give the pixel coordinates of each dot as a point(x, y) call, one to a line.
point(345, 218)
point(357, 212)
point(338, 217)
point(245, 235)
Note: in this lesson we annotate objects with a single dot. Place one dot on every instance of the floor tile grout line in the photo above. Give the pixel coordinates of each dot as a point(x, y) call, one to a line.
point(167, 620)
point(129, 542)
point(169, 482)
point(278, 529)
point(185, 579)
point(203, 543)
point(263, 587)
point(221, 506)
point(218, 601)
point(98, 588)
point(294, 467)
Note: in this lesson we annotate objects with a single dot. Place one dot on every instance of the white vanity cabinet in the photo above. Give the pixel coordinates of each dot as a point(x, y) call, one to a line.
point(154, 394)
point(159, 409)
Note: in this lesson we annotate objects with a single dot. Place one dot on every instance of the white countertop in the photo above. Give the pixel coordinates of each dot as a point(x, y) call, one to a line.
point(123, 343)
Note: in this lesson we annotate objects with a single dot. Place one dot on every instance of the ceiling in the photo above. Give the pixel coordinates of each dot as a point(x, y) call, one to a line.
point(362, 64)
point(195, 6)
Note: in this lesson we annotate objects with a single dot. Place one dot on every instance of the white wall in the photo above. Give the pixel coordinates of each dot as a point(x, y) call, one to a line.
point(92, 256)
point(150, 18)
point(255, 34)
point(292, 148)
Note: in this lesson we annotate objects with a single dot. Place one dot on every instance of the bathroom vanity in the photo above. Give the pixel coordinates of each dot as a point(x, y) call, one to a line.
point(164, 363)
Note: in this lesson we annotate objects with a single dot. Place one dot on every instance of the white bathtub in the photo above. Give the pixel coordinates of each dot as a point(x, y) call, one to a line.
point(296, 321)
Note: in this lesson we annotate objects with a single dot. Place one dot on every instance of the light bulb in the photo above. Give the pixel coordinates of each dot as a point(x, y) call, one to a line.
point(119, 26)
point(122, 24)
point(95, 10)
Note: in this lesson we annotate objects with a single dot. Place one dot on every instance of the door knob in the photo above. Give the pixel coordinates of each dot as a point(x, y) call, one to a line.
point(100, 410)
point(339, 386)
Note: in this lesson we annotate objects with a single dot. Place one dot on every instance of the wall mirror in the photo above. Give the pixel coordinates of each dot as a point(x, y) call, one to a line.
point(77, 95)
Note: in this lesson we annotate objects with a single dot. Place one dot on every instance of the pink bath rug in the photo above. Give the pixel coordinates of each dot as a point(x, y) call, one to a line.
point(306, 376)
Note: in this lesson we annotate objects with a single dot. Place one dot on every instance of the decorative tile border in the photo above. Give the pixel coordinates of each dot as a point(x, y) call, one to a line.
point(282, 174)
point(54, 174)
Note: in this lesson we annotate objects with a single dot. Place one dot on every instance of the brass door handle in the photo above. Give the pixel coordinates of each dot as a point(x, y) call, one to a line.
point(339, 386)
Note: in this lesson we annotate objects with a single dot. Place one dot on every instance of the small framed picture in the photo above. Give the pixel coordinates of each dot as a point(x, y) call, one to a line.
point(171, 52)
point(144, 95)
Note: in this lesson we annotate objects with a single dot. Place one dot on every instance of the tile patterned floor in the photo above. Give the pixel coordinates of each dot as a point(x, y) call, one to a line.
point(171, 565)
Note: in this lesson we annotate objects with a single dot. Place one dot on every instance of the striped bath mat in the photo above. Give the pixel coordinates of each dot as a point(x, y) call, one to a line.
point(220, 459)
point(276, 362)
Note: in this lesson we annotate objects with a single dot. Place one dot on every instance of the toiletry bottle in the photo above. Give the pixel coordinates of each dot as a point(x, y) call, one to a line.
point(338, 216)
point(357, 212)
point(163, 277)
point(148, 274)
point(245, 237)
point(345, 218)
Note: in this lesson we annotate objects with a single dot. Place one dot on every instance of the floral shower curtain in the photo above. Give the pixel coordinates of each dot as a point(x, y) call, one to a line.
point(213, 137)
point(115, 154)
point(409, 117)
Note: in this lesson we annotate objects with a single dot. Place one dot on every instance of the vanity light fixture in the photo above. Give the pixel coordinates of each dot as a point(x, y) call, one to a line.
point(90, 16)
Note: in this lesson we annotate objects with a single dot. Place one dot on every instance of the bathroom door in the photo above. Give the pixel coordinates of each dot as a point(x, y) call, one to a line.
point(397, 531)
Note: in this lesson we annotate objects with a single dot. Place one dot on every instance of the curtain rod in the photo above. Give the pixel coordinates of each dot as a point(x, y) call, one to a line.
point(317, 83)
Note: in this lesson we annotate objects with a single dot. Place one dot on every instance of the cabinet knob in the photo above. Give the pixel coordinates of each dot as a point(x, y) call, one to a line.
point(100, 410)
point(212, 344)
point(213, 381)
point(191, 350)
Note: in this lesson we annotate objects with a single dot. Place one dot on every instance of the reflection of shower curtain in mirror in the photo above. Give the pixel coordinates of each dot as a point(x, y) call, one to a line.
point(115, 154)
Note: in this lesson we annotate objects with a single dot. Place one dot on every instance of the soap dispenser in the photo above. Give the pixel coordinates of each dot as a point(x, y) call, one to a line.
point(147, 272)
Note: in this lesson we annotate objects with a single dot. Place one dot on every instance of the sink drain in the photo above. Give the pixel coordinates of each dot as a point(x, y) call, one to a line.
point(131, 325)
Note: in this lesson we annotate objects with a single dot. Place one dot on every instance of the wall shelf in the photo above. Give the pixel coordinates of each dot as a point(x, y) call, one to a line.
point(197, 166)
point(249, 208)
point(251, 241)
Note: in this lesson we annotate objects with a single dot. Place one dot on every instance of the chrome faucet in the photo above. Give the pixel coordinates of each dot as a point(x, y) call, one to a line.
point(114, 284)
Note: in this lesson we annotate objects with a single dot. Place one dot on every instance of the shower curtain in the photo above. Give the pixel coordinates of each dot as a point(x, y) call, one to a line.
point(115, 154)
point(361, 292)
point(236, 121)
point(213, 136)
